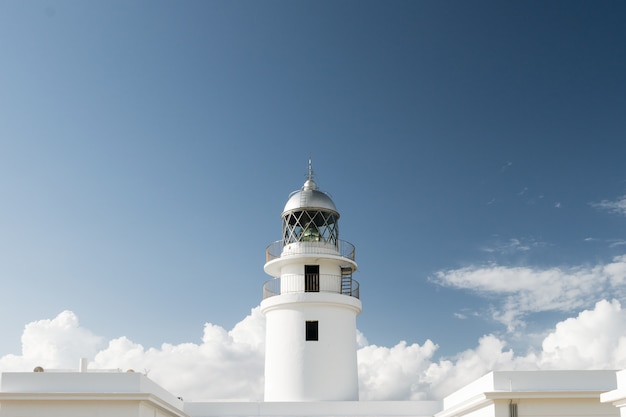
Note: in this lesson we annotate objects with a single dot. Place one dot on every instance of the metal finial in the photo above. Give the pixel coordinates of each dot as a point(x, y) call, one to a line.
point(311, 173)
point(309, 184)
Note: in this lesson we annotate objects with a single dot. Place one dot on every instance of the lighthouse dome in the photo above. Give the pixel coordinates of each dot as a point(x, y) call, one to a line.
point(309, 197)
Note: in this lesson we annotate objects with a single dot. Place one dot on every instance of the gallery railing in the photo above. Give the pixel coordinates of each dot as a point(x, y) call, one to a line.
point(298, 283)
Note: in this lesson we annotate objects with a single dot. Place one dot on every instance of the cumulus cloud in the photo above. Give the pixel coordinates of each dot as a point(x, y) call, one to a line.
point(410, 372)
point(226, 365)
point(229, 364)
point(519, 291)
point(617, 207)
point(595, 339)
point(394, 373)
point(447, 375)
point(56, 343)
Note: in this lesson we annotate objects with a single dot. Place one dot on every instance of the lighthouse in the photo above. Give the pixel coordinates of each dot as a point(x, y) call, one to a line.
point(310, 304)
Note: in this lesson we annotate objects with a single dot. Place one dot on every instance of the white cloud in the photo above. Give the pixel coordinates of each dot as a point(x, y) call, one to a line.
point(519, 291)
point(612, 243)
point(517, 245)
point(513, 245)
point(394, 373)
point(361, 340)
point(226, 365)
point(448, 375)
point(592, 340)
point(618, 206)
point(616, 271)
point(57, 343)
point(229, 364)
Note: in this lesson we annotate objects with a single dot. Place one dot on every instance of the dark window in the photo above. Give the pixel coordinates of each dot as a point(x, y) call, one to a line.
point(311, 278)
point(312, 330)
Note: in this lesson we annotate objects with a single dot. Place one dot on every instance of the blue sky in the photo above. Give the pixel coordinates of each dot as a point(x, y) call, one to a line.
point(475, 151)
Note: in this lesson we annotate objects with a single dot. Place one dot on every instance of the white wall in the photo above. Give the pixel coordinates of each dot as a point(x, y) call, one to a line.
point(300, 370)
point(69, 408)
point(74, 394)
point(617, 397)
point(536, 393)
point(315, 409)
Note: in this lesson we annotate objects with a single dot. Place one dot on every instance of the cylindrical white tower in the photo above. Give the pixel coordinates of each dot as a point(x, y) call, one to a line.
point(310, 305)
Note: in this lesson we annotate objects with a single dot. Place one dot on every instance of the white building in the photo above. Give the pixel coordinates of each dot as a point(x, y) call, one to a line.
point(497, 394)
point(311, 305)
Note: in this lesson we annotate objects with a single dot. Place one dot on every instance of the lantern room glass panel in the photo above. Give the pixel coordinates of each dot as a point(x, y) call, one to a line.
point(310, 226)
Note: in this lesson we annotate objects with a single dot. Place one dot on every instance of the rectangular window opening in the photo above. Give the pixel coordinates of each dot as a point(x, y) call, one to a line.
point(312, 332)
point(311, 278)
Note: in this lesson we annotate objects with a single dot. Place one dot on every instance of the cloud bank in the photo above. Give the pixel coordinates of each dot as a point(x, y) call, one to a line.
point(519, 291)
point(228, 364)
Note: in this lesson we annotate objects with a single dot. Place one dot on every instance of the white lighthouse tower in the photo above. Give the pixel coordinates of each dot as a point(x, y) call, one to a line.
point(311, 304)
